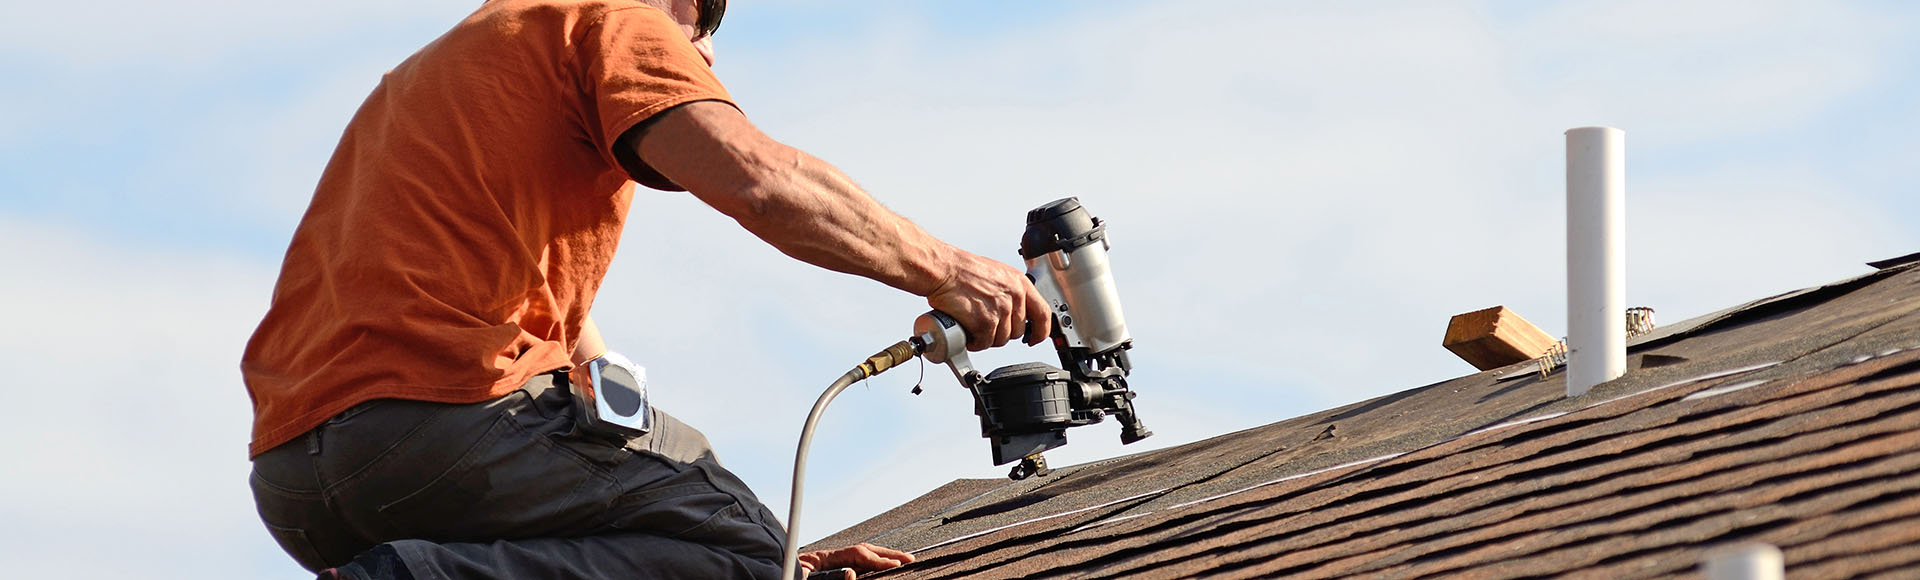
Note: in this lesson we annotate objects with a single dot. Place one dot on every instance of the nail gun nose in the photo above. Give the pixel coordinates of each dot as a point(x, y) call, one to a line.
point(1030, 466)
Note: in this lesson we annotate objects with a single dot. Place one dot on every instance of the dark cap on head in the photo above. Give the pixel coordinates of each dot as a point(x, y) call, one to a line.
point(710, 13)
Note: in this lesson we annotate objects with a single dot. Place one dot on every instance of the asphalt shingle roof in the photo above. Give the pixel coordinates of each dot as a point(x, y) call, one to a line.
point(1793, 420)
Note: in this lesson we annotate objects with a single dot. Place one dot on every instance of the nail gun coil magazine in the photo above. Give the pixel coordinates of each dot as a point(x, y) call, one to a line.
point(1028, 396)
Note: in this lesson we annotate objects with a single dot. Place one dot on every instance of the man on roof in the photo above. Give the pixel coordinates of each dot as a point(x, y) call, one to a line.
point(411, 411)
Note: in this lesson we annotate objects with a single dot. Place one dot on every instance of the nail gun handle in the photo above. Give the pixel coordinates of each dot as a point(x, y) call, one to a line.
point(942, 341)
point(940, 336)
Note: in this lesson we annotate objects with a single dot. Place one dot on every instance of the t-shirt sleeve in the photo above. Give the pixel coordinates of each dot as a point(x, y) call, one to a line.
point(636, 64)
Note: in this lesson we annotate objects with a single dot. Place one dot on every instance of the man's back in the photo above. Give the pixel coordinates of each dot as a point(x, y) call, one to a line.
point(458, 235)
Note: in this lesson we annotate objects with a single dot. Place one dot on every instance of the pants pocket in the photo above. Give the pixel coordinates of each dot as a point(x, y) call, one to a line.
point(730, 528)
point(688, 507)
point(671, 511)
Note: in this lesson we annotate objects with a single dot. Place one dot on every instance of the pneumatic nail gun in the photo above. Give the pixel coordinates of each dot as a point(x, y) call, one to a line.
point(1025, 409)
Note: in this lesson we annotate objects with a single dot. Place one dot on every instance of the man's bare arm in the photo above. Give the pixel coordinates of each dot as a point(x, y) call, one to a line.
point(809, 210)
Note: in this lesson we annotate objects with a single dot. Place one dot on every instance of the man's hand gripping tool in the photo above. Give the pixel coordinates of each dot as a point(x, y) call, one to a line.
point(1025, 409)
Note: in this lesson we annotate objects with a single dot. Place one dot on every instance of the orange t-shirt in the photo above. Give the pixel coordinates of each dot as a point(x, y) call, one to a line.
point(462, 227)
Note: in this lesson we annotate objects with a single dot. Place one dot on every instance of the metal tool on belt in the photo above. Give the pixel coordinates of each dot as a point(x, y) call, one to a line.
point(610, 396)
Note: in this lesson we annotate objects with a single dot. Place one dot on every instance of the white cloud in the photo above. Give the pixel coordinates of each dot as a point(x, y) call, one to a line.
point(259, 161)
point(1712, 240)
point(190, 33)
point(131, 423)
point(1700, 70)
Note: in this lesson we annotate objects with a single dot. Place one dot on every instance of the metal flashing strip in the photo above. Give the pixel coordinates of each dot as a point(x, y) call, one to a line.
point(1041, 518)
point(1715, 375)
point(1705, 377)
point(1513, 423)
point(1722, 390)
point(1098, 523)
point(1743, 385)
point(1868, 357)
point(1700, 395)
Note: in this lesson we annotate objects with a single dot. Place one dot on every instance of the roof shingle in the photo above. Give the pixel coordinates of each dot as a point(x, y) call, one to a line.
point(1793, 421)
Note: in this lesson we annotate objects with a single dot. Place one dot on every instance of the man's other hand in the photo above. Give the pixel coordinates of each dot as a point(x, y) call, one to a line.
point(992, 301)
point(861, 558)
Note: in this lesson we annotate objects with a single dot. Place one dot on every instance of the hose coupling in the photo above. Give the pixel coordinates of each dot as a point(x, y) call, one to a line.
point(900, 352)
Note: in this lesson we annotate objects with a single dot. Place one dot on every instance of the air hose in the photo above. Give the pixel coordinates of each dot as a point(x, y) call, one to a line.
point(900, 352)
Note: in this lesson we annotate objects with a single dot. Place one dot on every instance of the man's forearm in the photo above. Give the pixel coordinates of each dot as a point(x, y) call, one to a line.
point(815, 213)
point(801, 205)
point(809, 210)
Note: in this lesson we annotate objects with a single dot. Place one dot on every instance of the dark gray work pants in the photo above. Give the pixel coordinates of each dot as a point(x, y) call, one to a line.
point(508, 489)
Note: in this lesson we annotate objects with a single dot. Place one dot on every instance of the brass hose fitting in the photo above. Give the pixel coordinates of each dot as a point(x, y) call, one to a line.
point(900, 352)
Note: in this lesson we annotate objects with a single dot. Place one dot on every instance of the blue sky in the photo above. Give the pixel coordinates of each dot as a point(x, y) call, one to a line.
point(1300, 193)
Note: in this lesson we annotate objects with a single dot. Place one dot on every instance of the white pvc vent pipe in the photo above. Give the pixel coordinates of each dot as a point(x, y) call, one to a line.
point(1748, 561)
point(1596, 257)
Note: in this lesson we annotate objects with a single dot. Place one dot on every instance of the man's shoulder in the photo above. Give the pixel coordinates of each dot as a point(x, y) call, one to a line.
point(548, 31)
point(586, 12)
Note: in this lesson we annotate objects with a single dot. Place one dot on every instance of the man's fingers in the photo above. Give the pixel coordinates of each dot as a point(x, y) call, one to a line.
point(987, 324)
point(869, 557)
point(1010, 322)
point(993, 326)
point(890, 553)
point(863, 555)
point(1039, 318)
point(1017, 317)
point(866, 557)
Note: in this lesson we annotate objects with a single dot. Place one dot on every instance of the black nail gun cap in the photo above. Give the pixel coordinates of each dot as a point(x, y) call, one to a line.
point(1053, 209)
point(1061, 225)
